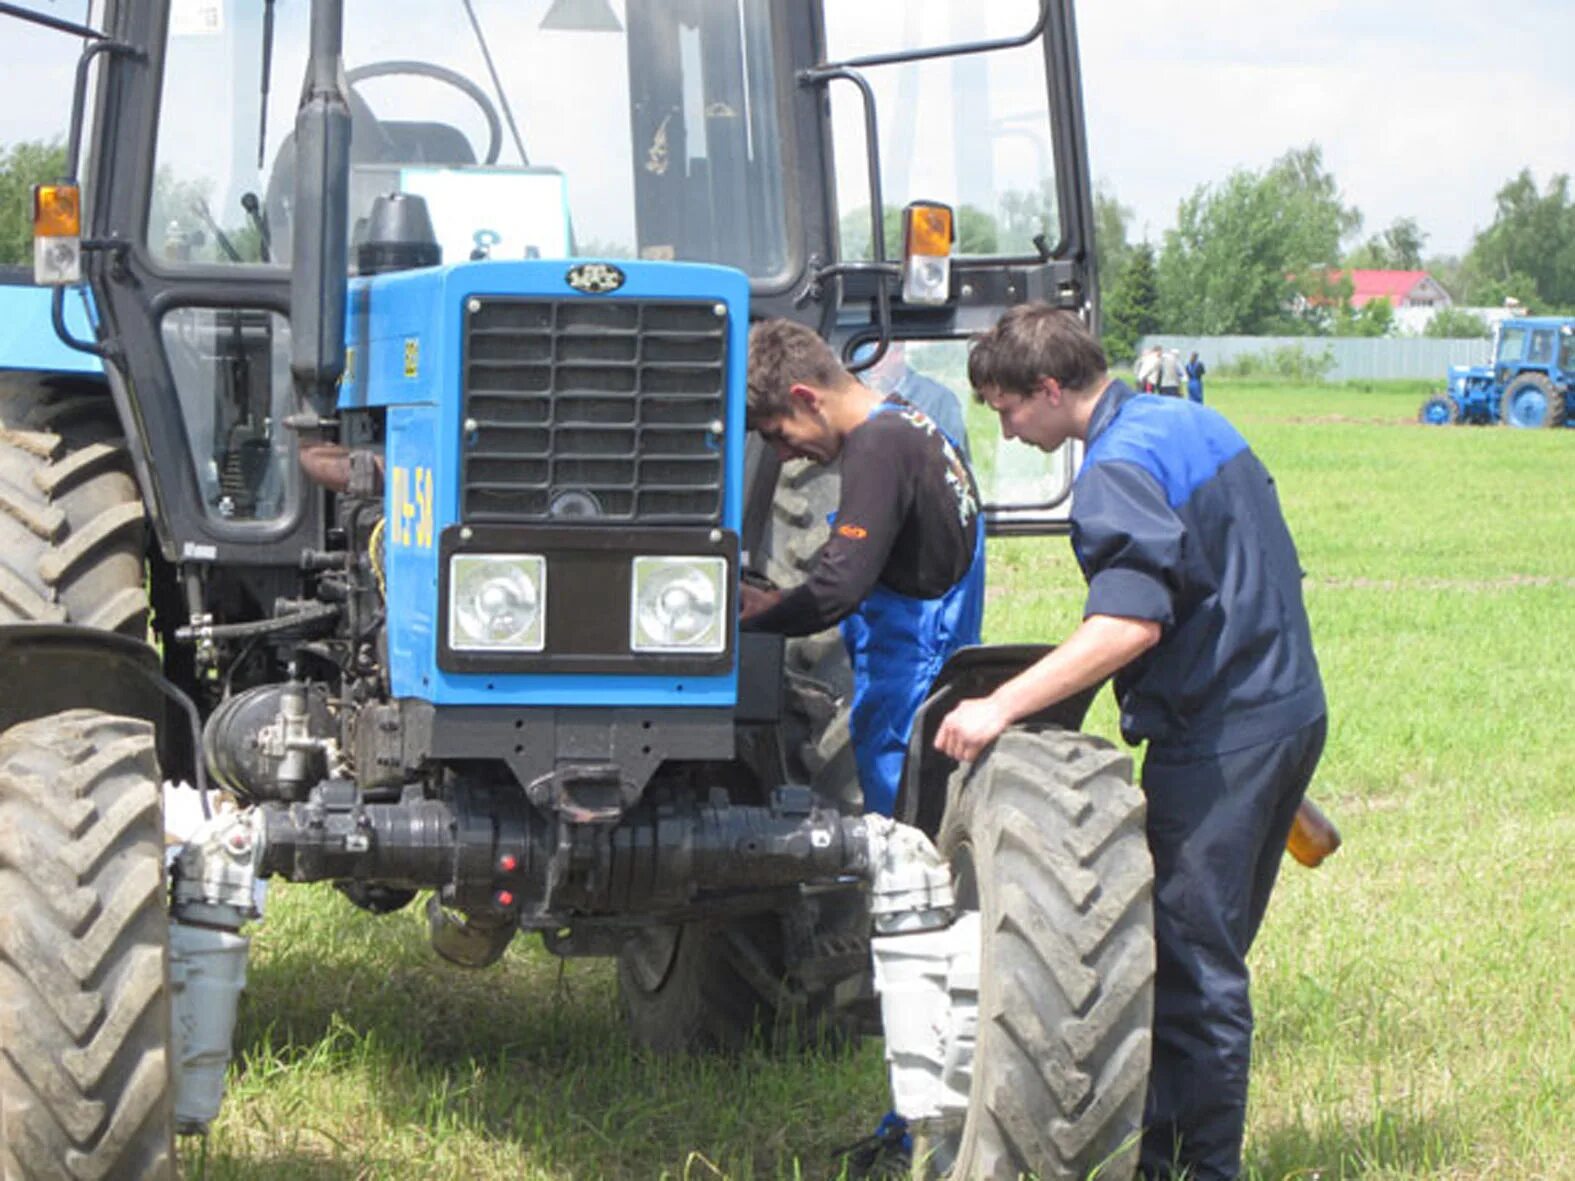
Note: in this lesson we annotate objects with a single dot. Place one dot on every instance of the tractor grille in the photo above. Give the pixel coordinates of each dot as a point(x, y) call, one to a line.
point(599, 409)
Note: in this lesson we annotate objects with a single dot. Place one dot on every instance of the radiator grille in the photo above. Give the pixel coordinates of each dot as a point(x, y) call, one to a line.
point(606, 409)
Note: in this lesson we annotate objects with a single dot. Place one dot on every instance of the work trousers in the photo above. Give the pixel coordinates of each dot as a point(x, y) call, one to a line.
point(1217, 826)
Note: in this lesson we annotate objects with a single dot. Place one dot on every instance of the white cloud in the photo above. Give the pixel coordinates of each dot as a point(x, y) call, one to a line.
point(1423, 109)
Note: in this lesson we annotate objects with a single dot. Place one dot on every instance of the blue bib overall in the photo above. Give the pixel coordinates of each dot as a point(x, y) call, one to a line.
point(896, 645)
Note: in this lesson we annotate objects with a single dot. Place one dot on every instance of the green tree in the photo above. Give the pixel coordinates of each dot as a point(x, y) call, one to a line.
point(1449, 271)
point(1374, 318)
point(1131, 306)
point(1399, 248)
point(1112, 251)
point(976, 230)
point(1456, 324)
point(1532, 236)
point(1514, 287)
point(1025, 213)
point(1244, 249)
point(23, 165)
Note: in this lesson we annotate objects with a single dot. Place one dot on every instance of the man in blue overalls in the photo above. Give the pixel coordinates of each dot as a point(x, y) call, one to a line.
point(903, 569)
point(1195, 606)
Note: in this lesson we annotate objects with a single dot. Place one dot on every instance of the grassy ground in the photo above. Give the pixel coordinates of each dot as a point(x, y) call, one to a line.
point(1414, 1010)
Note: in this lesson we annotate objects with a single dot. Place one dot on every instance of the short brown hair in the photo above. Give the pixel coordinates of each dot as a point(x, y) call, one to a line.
point(782, 354)
point(1031, 342)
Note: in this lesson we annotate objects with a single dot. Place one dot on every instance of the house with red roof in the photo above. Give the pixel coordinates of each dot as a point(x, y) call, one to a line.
point(1403, 289)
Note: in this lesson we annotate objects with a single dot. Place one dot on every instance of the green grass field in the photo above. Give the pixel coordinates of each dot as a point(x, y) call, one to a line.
point(1413, 995)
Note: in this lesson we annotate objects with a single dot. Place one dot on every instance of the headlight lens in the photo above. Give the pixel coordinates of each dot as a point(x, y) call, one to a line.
point(679, 605)
point(496, 601)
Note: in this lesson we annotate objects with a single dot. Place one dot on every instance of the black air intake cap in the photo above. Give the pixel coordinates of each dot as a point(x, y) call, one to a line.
point(398, 237)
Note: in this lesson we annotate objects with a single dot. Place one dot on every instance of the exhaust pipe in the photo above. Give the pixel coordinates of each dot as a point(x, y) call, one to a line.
point(320, 247)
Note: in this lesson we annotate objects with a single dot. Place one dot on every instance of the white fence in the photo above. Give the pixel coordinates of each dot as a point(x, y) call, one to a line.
point(1350, 356)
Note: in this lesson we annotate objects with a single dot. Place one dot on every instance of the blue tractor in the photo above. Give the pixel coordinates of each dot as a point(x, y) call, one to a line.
point(1528, 383)
point(407, 419)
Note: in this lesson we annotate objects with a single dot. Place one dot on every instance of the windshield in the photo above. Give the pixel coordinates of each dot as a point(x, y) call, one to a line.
point(971, 130)
point(534, 128)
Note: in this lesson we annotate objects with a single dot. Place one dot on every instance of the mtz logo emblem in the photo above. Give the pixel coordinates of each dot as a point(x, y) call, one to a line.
point(595, 278)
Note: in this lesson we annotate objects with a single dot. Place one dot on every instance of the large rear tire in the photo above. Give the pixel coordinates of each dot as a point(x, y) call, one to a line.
point(818, 746)
point(1531, 401)
point(1045, 837)
point(85, 1088)
point(72, 525)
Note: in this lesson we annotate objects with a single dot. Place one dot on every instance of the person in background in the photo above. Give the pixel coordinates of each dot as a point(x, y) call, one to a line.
point(894, 376)
point(1146, 372)
point(1195, 606)
point(1170, 373)
point(1195, 372)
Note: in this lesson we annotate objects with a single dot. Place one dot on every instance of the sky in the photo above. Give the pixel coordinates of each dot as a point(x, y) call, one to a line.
point(1423, 108)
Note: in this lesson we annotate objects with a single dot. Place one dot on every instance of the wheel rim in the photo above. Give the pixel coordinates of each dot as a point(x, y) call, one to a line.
point(1528, 407)
point(650, 955)
point(1436, 412)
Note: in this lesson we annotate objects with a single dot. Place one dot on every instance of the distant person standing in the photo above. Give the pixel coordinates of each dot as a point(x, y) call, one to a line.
point(893, 375)
point(1170, 373)
point(1146, 372)
point(1195, 372)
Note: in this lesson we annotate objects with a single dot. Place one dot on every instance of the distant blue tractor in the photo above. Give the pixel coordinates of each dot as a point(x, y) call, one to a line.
point(1529, 383)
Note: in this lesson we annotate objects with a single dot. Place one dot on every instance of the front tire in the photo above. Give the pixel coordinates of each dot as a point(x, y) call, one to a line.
point(723, 986)
point(1439, 410)
point(1045, 837)
point(85, 1087)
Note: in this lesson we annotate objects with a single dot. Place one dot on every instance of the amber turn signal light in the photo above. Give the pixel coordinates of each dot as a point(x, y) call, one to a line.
point(927, 234)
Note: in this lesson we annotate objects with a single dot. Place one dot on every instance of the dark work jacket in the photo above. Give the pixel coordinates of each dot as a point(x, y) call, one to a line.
point(1175, 520)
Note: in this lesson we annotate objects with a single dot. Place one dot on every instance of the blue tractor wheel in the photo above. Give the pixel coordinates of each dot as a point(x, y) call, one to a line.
point(1439, 410)
point(1531, 401)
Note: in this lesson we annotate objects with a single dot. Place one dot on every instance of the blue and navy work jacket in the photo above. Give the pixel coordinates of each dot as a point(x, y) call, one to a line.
point(1175, 520)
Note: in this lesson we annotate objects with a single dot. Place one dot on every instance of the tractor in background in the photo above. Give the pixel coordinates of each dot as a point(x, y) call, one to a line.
point(1527, 384)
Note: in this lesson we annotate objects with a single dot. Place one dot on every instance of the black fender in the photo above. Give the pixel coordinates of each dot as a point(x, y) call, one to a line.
point(971, 672)
point(54, 667)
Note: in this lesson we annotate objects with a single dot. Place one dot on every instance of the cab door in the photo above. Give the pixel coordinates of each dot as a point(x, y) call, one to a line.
point(978, 107)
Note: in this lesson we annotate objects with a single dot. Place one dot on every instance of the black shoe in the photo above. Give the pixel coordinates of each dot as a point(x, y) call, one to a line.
point(885, 1153)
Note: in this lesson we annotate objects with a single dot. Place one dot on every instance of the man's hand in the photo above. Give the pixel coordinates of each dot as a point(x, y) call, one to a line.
point(752, 600)
point(971, 727)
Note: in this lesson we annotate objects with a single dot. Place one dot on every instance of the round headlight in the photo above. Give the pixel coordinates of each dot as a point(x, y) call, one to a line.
point(496, 602)
point(678, 606)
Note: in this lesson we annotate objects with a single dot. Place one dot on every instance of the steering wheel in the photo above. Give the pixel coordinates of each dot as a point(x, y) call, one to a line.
point(445, 75)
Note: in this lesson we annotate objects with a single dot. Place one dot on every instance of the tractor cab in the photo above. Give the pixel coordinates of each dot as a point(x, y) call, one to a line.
point(1533, 370)
point(782, 140)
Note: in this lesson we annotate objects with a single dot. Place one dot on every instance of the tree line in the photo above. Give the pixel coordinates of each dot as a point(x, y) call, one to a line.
point(1262, 252)
point(1257, 253)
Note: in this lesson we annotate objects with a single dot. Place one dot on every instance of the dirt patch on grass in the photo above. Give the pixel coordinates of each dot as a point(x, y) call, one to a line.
point(1504, 582)
point(1344, 420)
